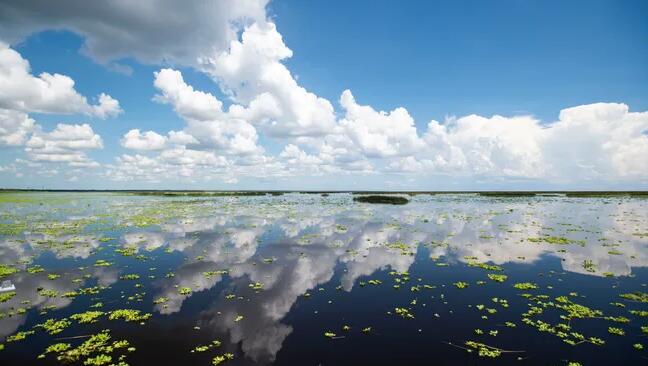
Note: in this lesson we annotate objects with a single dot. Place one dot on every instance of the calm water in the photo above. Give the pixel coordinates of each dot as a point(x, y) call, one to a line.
point(302, 279)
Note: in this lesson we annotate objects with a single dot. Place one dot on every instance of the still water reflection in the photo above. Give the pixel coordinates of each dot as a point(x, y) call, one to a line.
point(310, 279)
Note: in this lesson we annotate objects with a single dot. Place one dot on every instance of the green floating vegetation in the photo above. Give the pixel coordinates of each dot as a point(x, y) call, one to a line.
point(402, 247)
point(6, 270)
point(52, 326)
point(129, 315)
point(130, 277)
point(616, 331)
point(58, 348)
point(391, 200)
point(497, 277)
point(483, 350)
point(87, 317)
point(6, 296)
point(486, 266)
point(35, 269)
point(222, 358)
point(640, 313)
point(205, 348)
point(96, 350)
point(608, 194)
point(404, 313)
point(160, 300)
point(19, 336)
point(203, 193)
point(636, 296)
point(508, 194)
point(98, 360)
point(556, 240)
point(102, 263)
point(525, 286)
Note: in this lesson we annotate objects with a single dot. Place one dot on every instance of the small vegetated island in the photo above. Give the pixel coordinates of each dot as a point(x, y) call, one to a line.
point(381, 199)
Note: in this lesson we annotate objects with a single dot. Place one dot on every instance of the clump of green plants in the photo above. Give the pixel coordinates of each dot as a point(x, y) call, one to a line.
point(6, 296)
point(497, 277)
point(483, 350)
point(132, 276)
point(525, 286)
point(556, 240)
point(205, 348)
point(222, 358)
point(486, 266)
point(256, 286)
point(6, 270)
point(129, 315)
point(87, 317)
point(19, 336)
point(54, 326)
point(96, 350)
point(404, 313)
point(636, 296)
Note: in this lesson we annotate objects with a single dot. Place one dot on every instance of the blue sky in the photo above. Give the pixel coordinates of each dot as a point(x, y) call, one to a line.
point(462, 57)
point(458, 63)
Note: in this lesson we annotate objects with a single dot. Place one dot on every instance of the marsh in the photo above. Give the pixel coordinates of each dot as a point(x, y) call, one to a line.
point(104, 278)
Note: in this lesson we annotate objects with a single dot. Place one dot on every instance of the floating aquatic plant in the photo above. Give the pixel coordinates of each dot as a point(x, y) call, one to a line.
point(483, 349)
point(525, 286)
point(6, 296)
point(19, 336)
point(404, 313)
point(129, 315)
point(132, 276)
point(55, 326)
point(222, 358)
point(87, 317)
point(6, 270)
point(497, 277)
point(636, 296)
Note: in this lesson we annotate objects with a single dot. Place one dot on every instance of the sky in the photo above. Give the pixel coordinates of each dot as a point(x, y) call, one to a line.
point(324, 95)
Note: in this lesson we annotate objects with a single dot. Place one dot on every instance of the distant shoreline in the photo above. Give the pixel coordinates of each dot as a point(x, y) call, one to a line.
point(174, 192)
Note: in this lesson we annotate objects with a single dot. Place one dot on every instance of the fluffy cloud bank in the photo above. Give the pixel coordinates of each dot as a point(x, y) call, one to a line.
point(45, 93)
point(66, 144)
point(22, 93)
point(601, 141)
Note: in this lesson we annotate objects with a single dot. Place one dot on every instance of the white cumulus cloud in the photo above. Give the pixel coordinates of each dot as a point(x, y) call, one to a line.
point(45, 93)
point(148, 140)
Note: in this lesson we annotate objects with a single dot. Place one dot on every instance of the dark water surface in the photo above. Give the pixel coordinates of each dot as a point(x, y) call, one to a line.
point(302, 279)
